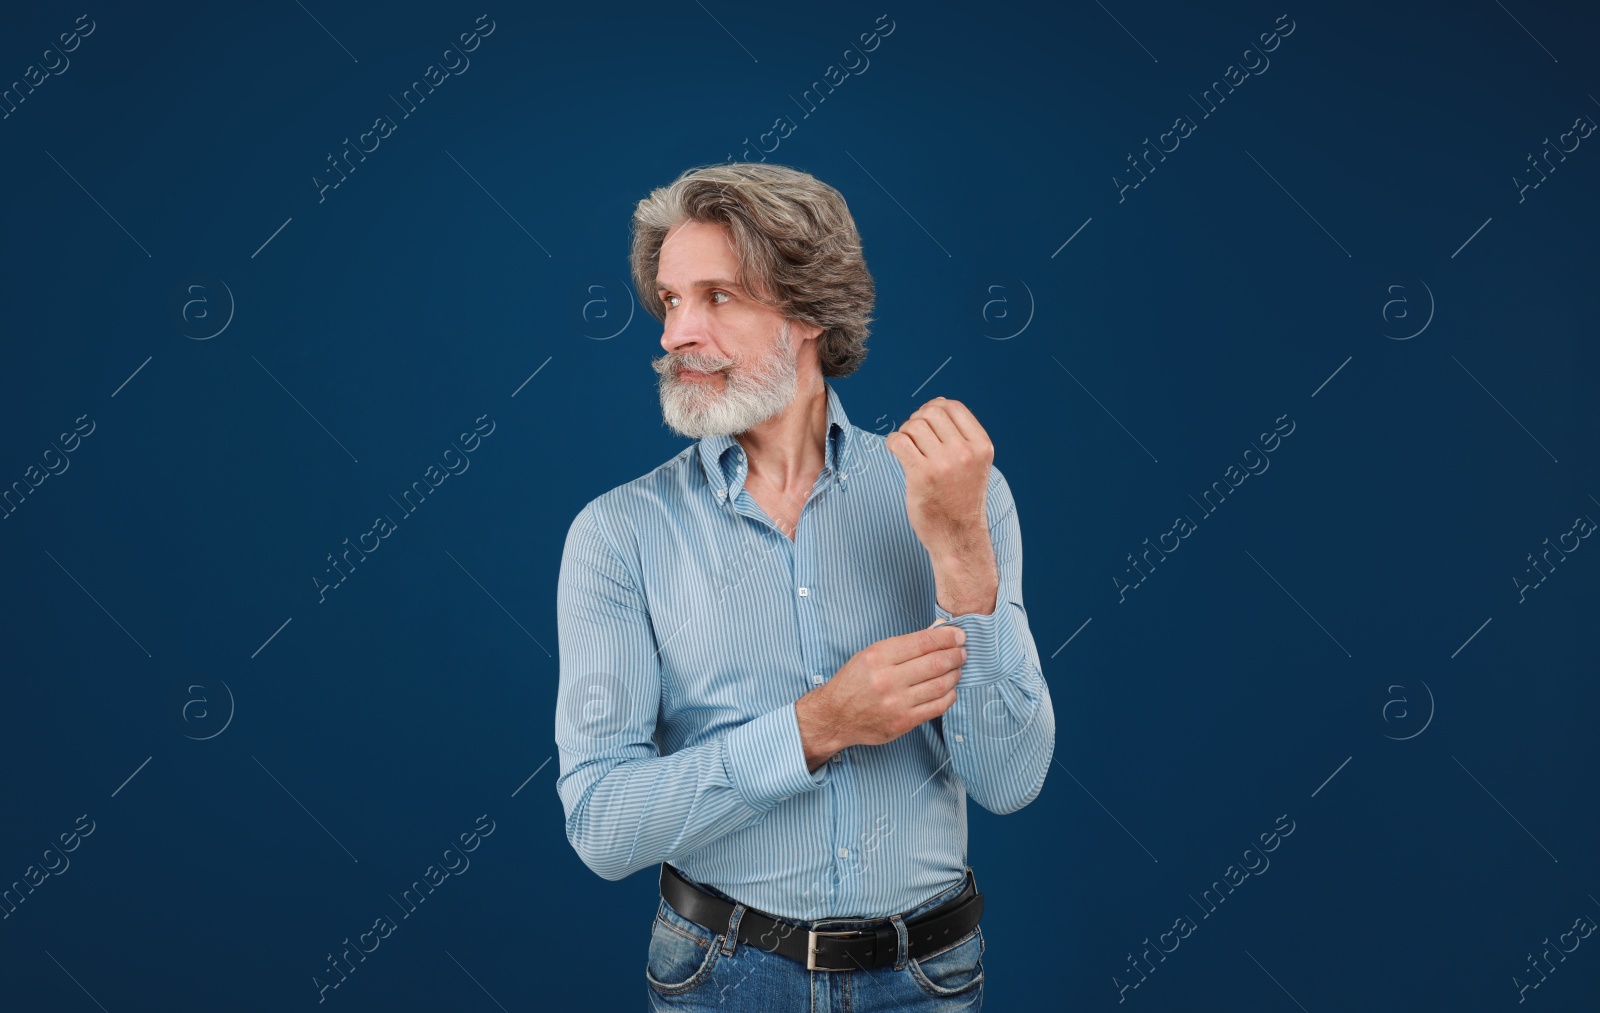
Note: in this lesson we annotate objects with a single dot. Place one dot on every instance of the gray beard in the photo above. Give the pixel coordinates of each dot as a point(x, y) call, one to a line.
point(751, 394)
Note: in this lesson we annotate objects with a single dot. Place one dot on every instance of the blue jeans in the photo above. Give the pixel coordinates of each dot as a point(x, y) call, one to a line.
point(691, 968)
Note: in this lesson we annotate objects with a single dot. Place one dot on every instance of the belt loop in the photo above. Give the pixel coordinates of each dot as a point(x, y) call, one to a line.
point(732, 942)
point(902, 940)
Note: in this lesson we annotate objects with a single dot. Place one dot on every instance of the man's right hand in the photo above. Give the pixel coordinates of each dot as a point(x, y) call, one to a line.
point(885, 690)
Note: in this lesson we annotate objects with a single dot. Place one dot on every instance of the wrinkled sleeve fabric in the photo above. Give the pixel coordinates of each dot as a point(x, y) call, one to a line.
point(627, 806)
point(1001, 731)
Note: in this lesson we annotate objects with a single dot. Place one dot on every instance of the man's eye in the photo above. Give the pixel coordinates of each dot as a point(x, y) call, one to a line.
point(668, 299)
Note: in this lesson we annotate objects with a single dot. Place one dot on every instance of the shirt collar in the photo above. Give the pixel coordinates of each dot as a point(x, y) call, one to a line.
point(723, 458)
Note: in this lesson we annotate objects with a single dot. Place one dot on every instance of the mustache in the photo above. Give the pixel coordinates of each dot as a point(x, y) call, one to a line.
point(669, 365)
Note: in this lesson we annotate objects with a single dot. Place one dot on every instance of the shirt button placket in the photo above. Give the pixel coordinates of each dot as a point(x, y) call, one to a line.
point(805, 619)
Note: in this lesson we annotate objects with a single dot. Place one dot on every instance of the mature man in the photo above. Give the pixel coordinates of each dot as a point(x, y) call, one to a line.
point(752, 696)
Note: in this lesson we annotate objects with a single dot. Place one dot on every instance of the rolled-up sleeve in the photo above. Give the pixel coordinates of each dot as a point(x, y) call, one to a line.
point(627, 806)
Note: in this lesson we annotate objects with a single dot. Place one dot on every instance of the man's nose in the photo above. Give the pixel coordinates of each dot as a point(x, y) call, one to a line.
point(684, 330)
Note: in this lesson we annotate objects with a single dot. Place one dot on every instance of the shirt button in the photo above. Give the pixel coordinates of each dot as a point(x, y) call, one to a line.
point(838, 757)
point(960, 739)
point(816, 680)
point(803, 592)
point(844, 852)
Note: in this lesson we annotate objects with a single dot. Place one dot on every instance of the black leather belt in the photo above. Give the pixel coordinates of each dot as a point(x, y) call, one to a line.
point(874, 944)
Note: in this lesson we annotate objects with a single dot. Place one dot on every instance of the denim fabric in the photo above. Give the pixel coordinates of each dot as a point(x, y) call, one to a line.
point(688, 967)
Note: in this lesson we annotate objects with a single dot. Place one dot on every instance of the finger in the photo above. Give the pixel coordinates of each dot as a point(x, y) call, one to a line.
point(938, 419)
point(929, 711)
point(965, 422)
point(907, 646)
point(905, 449)
point(930, 667)
point(930, 690)
point(921, 435)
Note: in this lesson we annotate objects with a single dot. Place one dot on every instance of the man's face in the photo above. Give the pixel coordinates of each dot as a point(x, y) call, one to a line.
point(730, 363)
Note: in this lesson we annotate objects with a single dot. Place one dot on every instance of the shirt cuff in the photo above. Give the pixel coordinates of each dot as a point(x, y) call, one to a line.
point(766, 762)
point(994, 651)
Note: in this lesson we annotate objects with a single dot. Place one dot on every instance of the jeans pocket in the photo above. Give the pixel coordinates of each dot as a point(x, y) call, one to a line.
point(682, 954)
point(953, 970)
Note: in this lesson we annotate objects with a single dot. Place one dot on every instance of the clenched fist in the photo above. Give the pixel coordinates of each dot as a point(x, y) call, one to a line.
point(946, 456)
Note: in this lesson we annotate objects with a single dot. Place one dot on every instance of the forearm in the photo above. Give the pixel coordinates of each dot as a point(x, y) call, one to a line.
point(966, 577)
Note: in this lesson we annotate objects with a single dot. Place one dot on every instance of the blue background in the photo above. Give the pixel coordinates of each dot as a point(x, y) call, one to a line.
point(1276, 263)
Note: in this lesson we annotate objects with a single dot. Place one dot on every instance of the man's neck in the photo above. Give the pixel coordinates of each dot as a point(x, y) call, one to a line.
point(789, 449)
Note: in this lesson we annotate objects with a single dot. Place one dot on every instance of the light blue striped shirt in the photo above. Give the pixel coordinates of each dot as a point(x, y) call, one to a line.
point(689, 625)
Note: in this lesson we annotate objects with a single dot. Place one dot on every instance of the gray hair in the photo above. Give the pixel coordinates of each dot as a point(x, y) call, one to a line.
point(797, 245)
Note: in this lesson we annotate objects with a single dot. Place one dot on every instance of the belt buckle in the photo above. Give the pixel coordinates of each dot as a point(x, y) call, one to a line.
point(811, 946)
